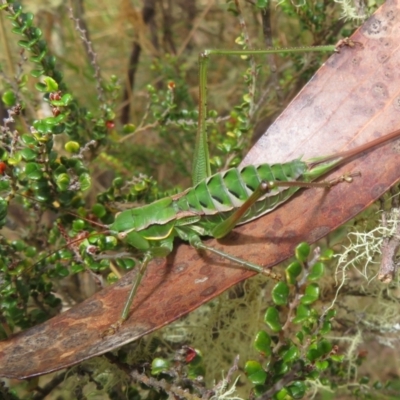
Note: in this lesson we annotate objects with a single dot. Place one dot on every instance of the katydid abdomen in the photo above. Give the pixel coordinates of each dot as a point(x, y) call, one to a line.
point(204, 206)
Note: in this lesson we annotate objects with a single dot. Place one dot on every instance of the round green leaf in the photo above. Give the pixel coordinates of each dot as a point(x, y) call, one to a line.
point(63, 181)
point(293, 271)
point(291, 354)
point(72, 147)
point(24, 44)
point(280, 294)
point(33, 171)
point(322, 365)
point(159, 365)
point(50, 84)
point(85, 181)
point(118, 183)
point(297, 389)
point(29, 140)
point(40, 87)
point(9, 99)
point(324, 346)
point(330, 314)
point(317, 271)
point(251, 367)
point(262, 343)
point(99, 210)
point(28, 154)
point(271, 318)
point(36, 73)
point(302, 313)
point(302, 251)
point(78, 225)
point(337, 358)
point(258, 378)
point(255, 372)
point(128, 128)
point(110, 242)
point(311, 294)
point(283, 394)
point(300, 336)
point(327, 255)
point(125, 263)
point(66, 99)
point(326, 328)
point(15, 160)
point(313, 354)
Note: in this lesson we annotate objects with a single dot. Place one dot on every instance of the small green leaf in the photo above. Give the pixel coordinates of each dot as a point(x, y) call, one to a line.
point(302, 251)
point(262, 343)
point(33, 171)
point(128, 128)
point(9, 99)
point(159, 365)
point(300, 337)
point(118, 183)
point(302, 313)
point(99, 210)
point(125, 263)
point(324, 346)
point(311, 294)
point(283, 394)
point(72, 147)
point(322, 365)
point(27, 19)
point(85, 181)
point(251, 367)
point(78, 225)
point(110, 243)
point(40, 87)
point(28, 154)
point(15, 160)
point(280, 294)
point(327, 255)
point(63, 181)
point(317, 271)
point(24, 44)
point(297, 389)
point(293, 271)
point(326, 328)
point(255, 372)
point(330, 314)
point(36, 73)
point(61, 271)
point(28, 139)
point(291, 354)
point(337, 358)
point(313, 354)
point(271, 318)
point(66, 99)
point(51, 84)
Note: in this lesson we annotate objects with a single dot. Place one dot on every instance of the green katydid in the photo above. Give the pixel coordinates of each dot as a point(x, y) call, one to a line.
point(215, 204)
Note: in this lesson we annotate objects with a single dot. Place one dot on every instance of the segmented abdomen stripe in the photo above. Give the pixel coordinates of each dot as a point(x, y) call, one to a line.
point(225, 191)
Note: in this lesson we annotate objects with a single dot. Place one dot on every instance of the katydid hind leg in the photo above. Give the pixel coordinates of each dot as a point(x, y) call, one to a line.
point(199, 245)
